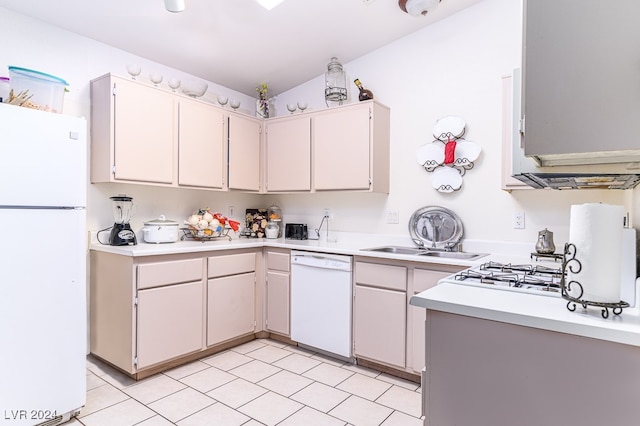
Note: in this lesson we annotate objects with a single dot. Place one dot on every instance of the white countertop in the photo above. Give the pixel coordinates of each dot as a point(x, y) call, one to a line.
point(530, 310)
point(347, 243)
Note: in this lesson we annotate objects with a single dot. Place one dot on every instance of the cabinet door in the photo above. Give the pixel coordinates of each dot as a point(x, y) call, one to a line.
point(144, 133)
point(170, 322)
point(288, 154)
point(244, 153)
point(230, 307)
point(380, 325)
point(341, 149)
point(201, 159)
point(278, 302)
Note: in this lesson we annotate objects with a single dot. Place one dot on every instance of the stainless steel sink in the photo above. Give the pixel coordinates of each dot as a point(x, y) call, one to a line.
point(396, 250)
point(426, 252)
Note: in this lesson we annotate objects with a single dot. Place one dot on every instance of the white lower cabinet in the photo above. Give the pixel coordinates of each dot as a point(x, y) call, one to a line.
point(380, 313)
point(169, 322)
point(278, 278)
point(231, 291)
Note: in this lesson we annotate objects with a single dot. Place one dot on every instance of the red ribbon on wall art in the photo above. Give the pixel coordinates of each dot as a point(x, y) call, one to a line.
point(450, 151)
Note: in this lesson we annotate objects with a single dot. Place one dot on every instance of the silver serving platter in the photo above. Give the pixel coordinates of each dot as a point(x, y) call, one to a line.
point(435, 227)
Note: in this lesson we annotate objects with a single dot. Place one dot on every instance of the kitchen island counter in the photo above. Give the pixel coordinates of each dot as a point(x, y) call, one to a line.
point(530, 310)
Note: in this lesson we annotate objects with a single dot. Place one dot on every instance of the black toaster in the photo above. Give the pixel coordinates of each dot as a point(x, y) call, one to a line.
point(296, 231)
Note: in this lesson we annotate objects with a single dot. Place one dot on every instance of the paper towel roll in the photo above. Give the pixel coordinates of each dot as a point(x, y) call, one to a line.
point(596, 231)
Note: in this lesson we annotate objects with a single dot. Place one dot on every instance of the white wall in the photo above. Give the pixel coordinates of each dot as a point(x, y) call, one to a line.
point(451, 68)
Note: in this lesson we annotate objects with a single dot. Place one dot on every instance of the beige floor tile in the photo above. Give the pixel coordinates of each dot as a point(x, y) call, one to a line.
point(253, 423)
point(126, 413)
point(255, 371)
point(401, 419)
point(328, 374)
point(102, 397)
point(300, 351)
point(310, 417)
point(362, 370)
point(118, 379)
point(320, 396)
point(249, 346)
point(270, 408)
point(268, 354)
point(98, 367)
point(402, 399)
point(407, 384)
point(285, 383)
point(94, 381)
point(328, 360)
point(153, 388)
point(155, 421)
point(73, 422)
point(186, 370)
point(181, 404)
point(237, 393)
point(208, 379)
point(364, 386)
point(273, 342)
point(216, 414)
point(227, 360)
point(361, 412)
point(297, 363)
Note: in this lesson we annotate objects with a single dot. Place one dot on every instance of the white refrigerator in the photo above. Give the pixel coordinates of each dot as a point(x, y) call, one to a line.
point(43, 254)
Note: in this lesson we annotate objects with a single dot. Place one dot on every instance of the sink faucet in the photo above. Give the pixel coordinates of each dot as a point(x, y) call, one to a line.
point(320, 227)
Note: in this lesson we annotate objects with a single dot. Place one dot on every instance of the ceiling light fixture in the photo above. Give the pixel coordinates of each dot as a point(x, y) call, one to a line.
point(174, 5)
point(418, 7)
point(269, 4)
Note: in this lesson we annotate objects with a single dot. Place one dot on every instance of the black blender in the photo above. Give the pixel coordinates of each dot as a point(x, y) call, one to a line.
point(121, 233)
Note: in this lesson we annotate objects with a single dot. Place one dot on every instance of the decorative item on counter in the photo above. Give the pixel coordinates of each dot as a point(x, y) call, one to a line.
point(592, 258)
point(545, 244)
point(205, 225)
point(235, 104)
point(262, 104)
point(274, 214)
point(255, 223)
point(335, 89)
point(365, 94)
point(302, 106)
point(292, 108)
point(272, 230)
point(222, 100)
point(449, 156)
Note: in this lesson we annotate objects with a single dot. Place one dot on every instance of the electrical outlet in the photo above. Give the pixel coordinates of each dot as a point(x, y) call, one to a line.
point(231, 211)
point(393, 216)
point(518, 220)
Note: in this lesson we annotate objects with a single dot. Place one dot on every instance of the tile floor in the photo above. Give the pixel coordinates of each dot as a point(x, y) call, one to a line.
point(263, 382)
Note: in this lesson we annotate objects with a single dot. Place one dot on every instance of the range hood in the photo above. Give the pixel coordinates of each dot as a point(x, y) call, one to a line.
point(592, 170)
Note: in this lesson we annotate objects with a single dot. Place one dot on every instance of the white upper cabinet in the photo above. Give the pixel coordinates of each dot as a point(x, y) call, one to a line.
point(351, 148)
point(288, 154)
point(244, 152)
point(201, 159)
point(132, 132)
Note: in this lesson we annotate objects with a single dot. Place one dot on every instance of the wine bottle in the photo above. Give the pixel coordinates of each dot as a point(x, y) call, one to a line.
point(365, 94)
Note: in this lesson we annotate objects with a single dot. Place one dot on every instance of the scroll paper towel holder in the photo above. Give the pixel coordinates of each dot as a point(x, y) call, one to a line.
point(573, 264)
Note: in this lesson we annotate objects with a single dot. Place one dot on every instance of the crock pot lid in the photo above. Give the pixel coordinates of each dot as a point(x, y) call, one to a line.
point(162, 221)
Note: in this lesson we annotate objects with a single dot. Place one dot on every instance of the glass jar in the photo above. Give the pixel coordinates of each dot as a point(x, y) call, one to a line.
point(272, 230)
point(274, 214)
point(335, 83)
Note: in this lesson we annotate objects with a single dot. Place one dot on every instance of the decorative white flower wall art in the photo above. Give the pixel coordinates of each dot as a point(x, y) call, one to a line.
point(449, 156)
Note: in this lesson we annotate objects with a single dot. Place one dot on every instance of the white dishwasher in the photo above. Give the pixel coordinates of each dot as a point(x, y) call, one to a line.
point(321, 300)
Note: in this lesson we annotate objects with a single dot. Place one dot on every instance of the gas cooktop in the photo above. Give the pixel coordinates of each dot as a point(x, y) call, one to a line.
point(529, 278)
